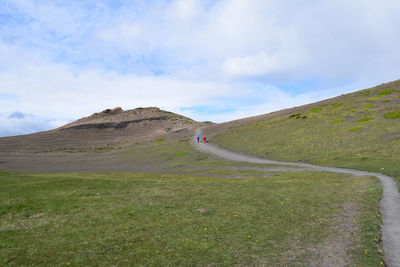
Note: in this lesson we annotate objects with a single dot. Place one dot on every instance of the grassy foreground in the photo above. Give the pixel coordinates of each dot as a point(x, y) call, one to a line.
point(117, 218)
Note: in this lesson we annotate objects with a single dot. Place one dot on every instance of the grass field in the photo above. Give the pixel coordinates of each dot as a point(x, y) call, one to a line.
point(119, 218)
point(360, 132)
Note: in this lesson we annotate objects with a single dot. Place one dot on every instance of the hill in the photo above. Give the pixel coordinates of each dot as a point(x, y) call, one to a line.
point(96, 142)
point(359, 130)
point(109, 127)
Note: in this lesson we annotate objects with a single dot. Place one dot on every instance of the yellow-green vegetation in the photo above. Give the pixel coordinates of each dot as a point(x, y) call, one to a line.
point(364, 93)
point(145, 219)
point(356, 129)
point(335, 105)
point(318, 140)
point(180, 154)
point(382, 93)
point(364, 119)
point(369, 106)
point(317, 109)
point(375, 98)
point(337, 121)
point(168, 152)
point(392, 115)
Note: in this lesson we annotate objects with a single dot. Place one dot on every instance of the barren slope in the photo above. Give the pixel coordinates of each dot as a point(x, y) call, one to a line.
point(86, 137)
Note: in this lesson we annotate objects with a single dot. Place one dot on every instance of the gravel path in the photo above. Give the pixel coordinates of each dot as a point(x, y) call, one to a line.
point(390, 203)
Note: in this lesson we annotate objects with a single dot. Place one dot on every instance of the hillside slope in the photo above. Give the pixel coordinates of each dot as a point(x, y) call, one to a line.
point(358, 130)
point(107, 128)
point(96, 142)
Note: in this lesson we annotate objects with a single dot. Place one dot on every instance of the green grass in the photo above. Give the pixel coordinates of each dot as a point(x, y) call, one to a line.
point(145, 219)
point(317, 109)
point(376, 147)
point(375, 98)
point(364, 119)
point(166, 153)
point(369, 106)
point(365, 93)
point(382, 93)
point(392, 115)
point(160, 140)
point(335, 105)
point(180, 154)
point(387, 91)
point(356, 129)
point(337, 121)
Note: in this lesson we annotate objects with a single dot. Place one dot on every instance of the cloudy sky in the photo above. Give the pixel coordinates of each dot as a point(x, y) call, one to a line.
point(211, 60)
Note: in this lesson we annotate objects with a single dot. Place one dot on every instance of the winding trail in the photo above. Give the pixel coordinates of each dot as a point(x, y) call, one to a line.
point(390, 203)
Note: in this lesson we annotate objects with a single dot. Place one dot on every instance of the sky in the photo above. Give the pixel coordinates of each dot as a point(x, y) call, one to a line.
point(209, 60)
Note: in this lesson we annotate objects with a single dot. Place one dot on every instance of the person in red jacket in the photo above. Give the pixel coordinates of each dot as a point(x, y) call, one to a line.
point(204, 139)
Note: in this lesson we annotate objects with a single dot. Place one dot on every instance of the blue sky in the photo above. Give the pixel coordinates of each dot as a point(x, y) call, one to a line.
point(209, 60)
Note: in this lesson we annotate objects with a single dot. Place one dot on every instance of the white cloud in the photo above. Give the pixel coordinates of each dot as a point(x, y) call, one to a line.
point(26, 124)
point(69, 60)
point(259, 65)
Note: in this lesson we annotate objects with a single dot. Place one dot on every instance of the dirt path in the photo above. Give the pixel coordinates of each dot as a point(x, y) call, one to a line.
point(390, 203)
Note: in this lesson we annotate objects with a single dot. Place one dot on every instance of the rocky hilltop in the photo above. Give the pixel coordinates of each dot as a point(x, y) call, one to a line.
point(109, 128)
point(117, 118)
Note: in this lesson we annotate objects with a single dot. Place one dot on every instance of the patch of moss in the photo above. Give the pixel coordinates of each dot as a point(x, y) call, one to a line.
point(364, 119)
point(365, 93)
point(375, 98)
point(317, 109)
point(180, 154)
point(369, 106)
point(355, 129)
point(386, 91)
point(392, 115)
point(160, 140)
point(385, 101)
point(337, 121)
point(335, 105)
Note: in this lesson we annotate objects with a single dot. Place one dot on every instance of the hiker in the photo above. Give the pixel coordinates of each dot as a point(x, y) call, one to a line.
point(204, 139)
point(198, 138)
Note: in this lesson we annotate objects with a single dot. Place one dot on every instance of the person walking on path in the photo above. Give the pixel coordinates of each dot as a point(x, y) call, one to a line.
point(198, 138)
point(204, 139)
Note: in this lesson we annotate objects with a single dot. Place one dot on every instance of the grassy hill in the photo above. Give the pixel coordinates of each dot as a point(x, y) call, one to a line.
point(359, 130)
